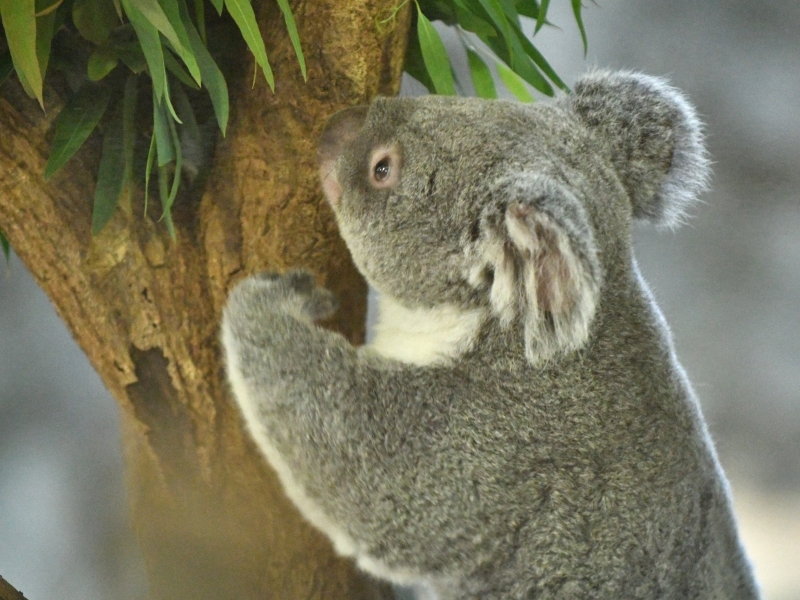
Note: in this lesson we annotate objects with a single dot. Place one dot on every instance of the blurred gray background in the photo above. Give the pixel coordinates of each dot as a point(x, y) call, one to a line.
point(728, 282)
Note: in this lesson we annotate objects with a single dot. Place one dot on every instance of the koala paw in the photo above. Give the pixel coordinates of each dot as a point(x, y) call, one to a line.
point(294, 292)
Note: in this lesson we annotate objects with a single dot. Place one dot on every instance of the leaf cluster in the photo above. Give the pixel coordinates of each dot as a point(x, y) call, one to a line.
point(135, 68)
point(495, 23)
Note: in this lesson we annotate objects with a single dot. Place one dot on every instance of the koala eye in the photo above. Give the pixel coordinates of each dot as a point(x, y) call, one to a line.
point(384, 167)
point(382, 170)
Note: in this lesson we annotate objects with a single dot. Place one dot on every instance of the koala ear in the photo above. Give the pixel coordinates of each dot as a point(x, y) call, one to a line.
point(654, 139)
point(537, 255)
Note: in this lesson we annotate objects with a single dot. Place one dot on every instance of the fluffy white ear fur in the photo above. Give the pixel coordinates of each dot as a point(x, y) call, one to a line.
point(539, 277)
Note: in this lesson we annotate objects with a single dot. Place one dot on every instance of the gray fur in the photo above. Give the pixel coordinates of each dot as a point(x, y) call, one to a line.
point(563, 456)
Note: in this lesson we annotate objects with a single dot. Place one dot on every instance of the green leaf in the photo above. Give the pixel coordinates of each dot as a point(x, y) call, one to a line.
point(539, 60)
point(577, 7)
point(470, 22)
point(75, 122)
point(131, 54)
point(527, 8)
point(293, 35)
point(176, 180)
point(184, 49)
point(415, 64)
point(514, 83)
point(189, 131)
point(218, 4)
point(174, 67)
point(481, 76)
point(5, 246)
point(129, 101)
point(45, 27)
point(434, 55)
point(19, 22)
point(212, 76)
point(148, 167)
point(110, 175)
point(101, 62)
point(151, 47)
point(495, 11)
point(245, 19)
point(541, 18)
point(94, 19)
point(200, 17)
point(165, 151)
point(510, 11)
point(6, 66)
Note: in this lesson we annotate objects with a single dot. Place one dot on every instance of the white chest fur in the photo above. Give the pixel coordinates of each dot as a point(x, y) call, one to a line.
point(424, 336)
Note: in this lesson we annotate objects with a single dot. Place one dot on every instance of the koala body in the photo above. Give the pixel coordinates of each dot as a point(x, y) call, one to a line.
point(520, 427)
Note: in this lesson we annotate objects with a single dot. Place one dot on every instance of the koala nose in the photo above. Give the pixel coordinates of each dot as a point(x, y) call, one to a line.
point(342, 128)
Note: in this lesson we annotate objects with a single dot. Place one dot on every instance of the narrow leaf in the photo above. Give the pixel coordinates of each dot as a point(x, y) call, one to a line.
point(75, 122)
point(130, 97)
point(163, 192)
point(434, 55)
point(218, 4)
point(291, 26)
point(539, 60)
point(496, 14)
point(414, 64)
point(5, 246)
point(577, 7)
point(101, 62)
point(541, 18)
point(200, 17)
point(245, 19)
point(110, 175)
point(165, 151)
point(151, 46)
point(470, 22)
point(481, 76)
point(94, 19)
point(212, 76)
point(176, 179)
point(184, 49)
point(19, 22)
point(6, 66)
point(174, 67)
point(148, 168)
point(514, 83)
point(528, 8)
point(45, 27)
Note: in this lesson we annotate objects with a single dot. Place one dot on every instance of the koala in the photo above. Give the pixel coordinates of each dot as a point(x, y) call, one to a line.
point(520, 427)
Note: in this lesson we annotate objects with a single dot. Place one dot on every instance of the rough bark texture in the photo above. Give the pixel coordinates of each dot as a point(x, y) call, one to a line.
point(7, 592)
point(210, 515)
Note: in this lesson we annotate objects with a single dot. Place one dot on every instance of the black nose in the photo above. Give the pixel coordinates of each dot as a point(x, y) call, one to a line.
point(341, 128)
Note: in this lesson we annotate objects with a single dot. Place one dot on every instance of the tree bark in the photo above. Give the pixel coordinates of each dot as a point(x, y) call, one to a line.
point(210, 515)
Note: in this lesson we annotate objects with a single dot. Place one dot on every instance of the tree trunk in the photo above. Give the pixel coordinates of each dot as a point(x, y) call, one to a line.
point(210, 515)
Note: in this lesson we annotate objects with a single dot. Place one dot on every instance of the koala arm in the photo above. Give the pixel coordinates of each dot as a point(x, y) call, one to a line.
point(301, 390)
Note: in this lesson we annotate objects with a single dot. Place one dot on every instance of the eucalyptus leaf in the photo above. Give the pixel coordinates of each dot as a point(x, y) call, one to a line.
point(481, 76)
point(291, 26)
point(75, 122)
point(45, 27)
point(415, 64)
point(174, 67)
point(164, 149)
point(527, 8)
point(111, 174)
point(129, 102)
point(435, 56)
point(539, 60)
point(94, 19)
point(514, 83)
point(184, 49)
point(577, 7)
point(218, 4)
point(213, 79)
point(150, 43)
point(541, 18)
point(200, 17)
point(101, 62)
point(148, 168)
point(19, 22)
point(471, 22)
point(176, 179)
point(245, 19)
point(5, 246)
point(163, 192)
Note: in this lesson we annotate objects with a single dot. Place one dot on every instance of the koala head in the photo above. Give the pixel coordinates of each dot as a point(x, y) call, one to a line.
point(483, 203)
